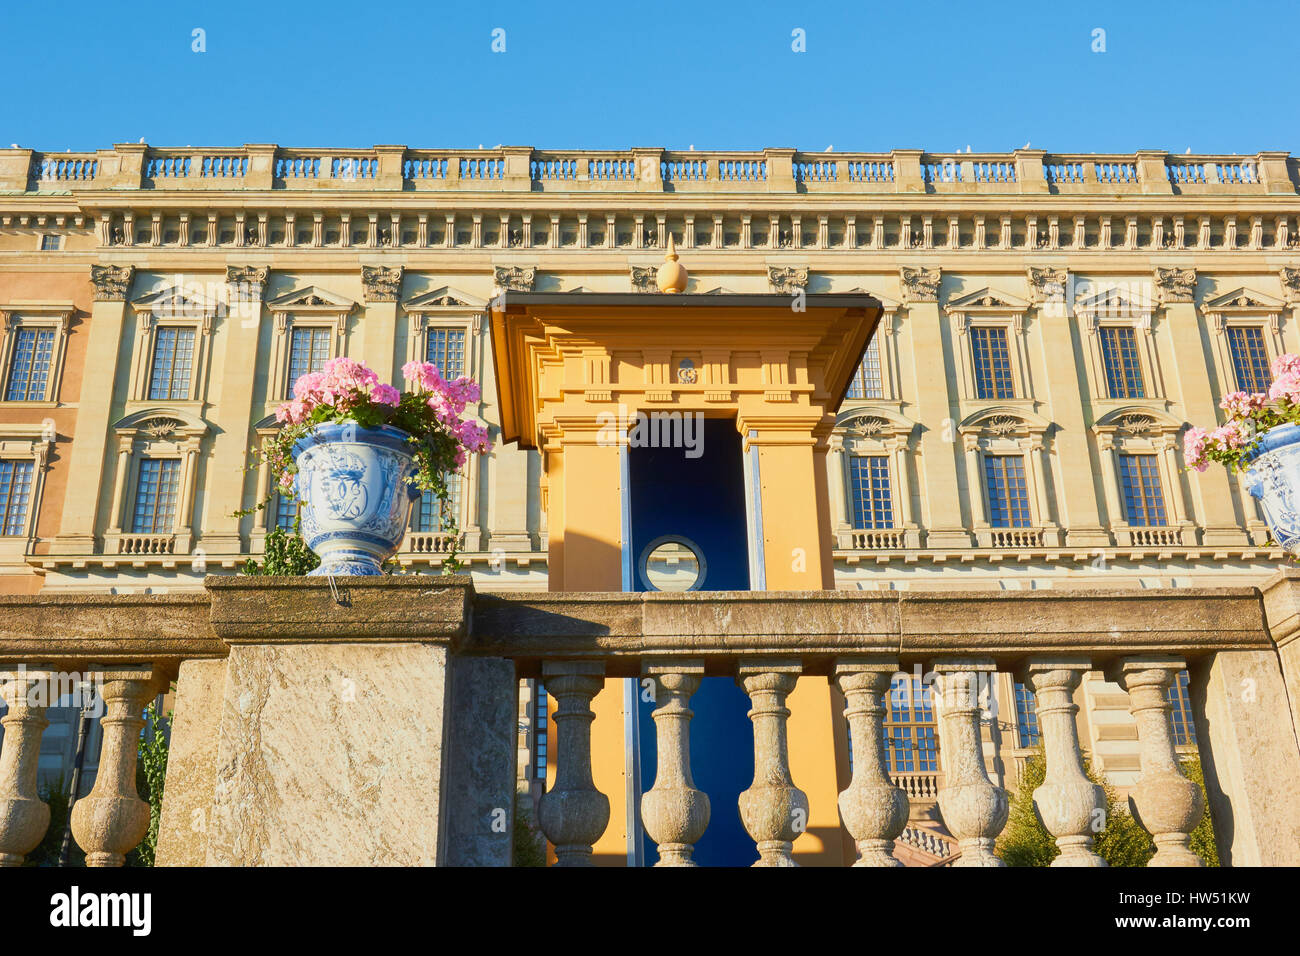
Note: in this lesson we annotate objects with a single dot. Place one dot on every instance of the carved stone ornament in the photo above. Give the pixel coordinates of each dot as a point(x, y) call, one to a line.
point(1176, 285)
point(514, 278)
point(787, 280)
point(1048, 284)
point(160, 427)
point(687, 373)
point(868, 425)
point(1002, 425)
point(111, 282)
point(1137, 424)
point(643, 278)
point(1290, 277)
point(920, 285)
point(247, 275)
point(382, 284)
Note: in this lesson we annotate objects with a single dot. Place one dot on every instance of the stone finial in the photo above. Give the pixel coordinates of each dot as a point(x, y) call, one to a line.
point(920, 285)
point(111, 282)
point(672, 275)
point(787, 280)
point(1176, 285)
point(382, 284)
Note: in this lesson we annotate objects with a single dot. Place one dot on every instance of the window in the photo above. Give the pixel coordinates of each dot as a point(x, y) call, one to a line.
point(1119, 358)
point(1004, 477)
point(51, 243)
point(155, 496)
point(428, 515)
point(1249, 358)
point(540, 728)
point(309, 348)
point(286, 511)
point(15, 495)
point(1180, 712)
point(992, 362)
point(910, 743)
point(173, 360)
point(1144, 502)
point(1026, 717)
point(873, 505)
point(29, 367)
point(866, 380)
point(445, 348)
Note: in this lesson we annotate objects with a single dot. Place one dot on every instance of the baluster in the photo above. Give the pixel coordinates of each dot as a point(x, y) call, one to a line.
point(24, 817)
point(1071, 806)
point(675, 814)
point(874, 811)
point(773, 809)
point(974, 810)
point(573, 814)
point(1164, 802)
point(110, 820)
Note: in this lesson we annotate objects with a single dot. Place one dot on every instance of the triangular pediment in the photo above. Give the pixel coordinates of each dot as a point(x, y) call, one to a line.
point(1114, 301)
point(889, 302)
point(175, 300)
point(988, 300)
point(1243, 300)
point(445, 297)
point(311, 297)
point(720, 290)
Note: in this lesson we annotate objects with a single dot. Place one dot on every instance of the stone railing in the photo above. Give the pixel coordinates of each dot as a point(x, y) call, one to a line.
point(933, 843)
point(374, 669)
point(521, 168)
point(917, 786)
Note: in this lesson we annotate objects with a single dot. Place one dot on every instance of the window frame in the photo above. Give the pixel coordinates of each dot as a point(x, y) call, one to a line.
point(171, 308)
point(1243, 308)
point(50, 316)
point(1117, 307)
point(23, 443)
point(890, 509)
point(1133, 457)
point(989, 308)
point(308, 307)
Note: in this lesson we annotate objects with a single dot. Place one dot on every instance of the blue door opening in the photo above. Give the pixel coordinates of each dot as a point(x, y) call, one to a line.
point(688, 527)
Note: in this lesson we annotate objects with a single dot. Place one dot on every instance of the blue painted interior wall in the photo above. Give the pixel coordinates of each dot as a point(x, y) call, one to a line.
point(702, 499)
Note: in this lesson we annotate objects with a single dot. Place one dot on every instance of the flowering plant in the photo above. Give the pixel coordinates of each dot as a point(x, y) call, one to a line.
point(347, 391)
point(1249, 416)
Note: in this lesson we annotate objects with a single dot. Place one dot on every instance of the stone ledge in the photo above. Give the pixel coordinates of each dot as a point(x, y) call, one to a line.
point(421, 609)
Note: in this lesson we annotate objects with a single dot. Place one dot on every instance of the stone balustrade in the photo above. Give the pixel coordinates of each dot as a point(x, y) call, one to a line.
point(259, 660)
point(521, 168)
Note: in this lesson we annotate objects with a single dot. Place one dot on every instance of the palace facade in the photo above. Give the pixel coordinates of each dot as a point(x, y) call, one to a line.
point(1050, 325)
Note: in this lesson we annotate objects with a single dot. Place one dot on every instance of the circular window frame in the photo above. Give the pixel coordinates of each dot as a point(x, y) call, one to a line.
point(686, 542)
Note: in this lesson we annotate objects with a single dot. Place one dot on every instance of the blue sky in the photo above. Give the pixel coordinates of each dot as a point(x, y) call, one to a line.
point(1216, 77)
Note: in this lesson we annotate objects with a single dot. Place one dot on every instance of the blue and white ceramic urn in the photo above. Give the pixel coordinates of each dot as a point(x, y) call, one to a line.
point(1274, 478)
point(356, 499)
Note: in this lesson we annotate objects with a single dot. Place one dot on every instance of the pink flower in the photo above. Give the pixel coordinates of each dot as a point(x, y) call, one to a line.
point(1234, 435)
point(294, 413)
point(386, 395)
point(1243, 404)
point(1286, 387)
point(423, 376)
point(1194, 448)
point(1287, 362)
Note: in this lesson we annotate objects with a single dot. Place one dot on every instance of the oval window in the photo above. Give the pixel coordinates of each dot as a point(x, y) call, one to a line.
point(672, 564)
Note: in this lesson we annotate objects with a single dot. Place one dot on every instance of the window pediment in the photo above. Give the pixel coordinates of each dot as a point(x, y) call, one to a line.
point(175, 302)
point(1243, 303)
point(312, 299)
point(874, 423)
point(987, 301)
point(1002, 422)
point(1114, 303)
point(161, 424)
point(445, 299)
point(1137, 422)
